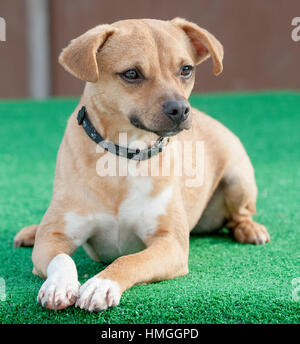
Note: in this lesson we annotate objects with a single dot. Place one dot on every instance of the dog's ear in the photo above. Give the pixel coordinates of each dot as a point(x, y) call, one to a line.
point(205, 43)
point(79, 57)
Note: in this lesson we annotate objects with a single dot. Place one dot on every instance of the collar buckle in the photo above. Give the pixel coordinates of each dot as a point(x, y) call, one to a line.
point(81, 115)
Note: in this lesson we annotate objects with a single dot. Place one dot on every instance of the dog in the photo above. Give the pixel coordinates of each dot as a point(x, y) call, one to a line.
point(139, 75)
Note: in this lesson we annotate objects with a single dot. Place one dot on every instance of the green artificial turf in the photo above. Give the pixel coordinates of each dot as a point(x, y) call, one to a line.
point(228, 282)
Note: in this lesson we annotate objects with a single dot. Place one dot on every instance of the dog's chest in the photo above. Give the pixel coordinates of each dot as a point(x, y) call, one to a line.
point(107, 236)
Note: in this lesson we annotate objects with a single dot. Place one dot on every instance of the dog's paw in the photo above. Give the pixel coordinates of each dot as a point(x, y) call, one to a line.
point(98, 294)
point(26, 236)
point(57, 293)
point(250, 232)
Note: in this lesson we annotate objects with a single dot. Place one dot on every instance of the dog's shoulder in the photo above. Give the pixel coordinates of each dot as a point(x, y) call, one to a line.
point(205, 127)
point(216, 136)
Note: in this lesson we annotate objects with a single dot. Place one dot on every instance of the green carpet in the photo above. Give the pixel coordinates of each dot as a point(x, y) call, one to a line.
point(228, 282)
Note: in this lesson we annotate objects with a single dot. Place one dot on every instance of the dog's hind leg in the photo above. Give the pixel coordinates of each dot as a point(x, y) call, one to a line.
point(240, 194)
point(26, 236)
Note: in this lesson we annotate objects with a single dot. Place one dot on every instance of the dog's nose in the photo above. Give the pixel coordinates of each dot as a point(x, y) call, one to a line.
point(177, 110)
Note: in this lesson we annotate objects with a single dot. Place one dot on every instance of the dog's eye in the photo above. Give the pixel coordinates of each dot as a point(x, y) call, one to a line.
point(131, 75)
point(186, 71)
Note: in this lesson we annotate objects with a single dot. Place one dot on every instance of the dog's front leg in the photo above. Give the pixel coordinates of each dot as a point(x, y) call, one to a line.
point(52, 260)
point(165, 257)
point(61, 287)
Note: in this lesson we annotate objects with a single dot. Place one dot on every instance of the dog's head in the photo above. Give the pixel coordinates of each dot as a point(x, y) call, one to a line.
point(143, 70)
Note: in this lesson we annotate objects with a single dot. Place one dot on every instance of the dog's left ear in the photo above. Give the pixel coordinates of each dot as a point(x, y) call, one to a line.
point(80, 57)
point(205, 43)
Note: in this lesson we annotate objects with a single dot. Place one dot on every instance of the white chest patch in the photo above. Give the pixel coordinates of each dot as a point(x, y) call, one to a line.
point(108, 237)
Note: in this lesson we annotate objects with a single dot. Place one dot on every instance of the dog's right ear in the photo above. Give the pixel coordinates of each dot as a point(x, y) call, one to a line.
point(204, 42)
point(79, 57)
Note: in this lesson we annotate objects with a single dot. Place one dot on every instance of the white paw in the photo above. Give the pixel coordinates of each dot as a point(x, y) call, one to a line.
point(98, 294)
point(57, 293)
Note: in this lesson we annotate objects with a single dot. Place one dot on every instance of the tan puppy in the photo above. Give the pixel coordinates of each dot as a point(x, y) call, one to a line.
point(139, 76)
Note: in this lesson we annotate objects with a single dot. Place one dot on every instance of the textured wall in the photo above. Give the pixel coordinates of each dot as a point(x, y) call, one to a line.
point(13, 52)
point(259, 51)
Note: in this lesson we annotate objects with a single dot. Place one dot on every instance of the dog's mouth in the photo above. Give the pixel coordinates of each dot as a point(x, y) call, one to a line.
point(162, 133)
point(167, 133)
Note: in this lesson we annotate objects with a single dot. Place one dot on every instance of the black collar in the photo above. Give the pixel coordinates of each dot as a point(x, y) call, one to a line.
point(134, 154)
